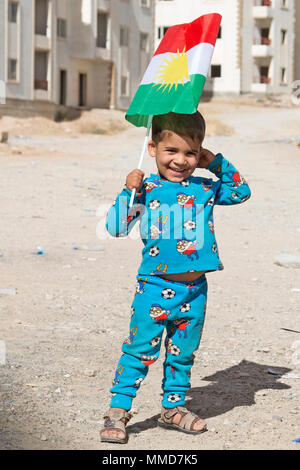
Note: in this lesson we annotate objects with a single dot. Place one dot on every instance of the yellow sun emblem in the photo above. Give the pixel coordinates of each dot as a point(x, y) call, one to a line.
point(173, 71)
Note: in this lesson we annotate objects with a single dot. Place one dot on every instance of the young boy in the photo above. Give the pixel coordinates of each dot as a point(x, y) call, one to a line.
point(176, 224)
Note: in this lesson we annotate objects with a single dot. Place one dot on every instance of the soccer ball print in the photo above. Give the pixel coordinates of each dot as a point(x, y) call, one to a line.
point(174, 350)
point(189, 225)
point(168, 293)
point(154, 251)
point(154, 204)
point(155, 341)
point(138, 382)
point(174, 397)
point(185, 307)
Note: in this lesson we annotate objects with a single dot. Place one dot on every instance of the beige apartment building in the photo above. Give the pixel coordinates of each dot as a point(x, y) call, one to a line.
point(73, 53)
point(256, 49)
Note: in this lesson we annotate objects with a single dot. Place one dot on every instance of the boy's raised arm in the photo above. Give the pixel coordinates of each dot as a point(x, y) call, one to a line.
point(232, 188)
point(120, 218)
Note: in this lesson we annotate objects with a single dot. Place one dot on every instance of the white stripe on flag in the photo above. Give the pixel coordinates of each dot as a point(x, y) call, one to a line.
point(199, 59)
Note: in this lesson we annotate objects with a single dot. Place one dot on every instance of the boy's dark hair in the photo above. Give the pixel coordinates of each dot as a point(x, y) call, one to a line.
point(192, 125)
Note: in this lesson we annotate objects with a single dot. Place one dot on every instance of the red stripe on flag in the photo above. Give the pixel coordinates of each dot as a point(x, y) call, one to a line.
point(203, 29)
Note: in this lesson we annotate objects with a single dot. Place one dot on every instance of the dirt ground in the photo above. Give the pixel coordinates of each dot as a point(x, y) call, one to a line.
point(65, 313)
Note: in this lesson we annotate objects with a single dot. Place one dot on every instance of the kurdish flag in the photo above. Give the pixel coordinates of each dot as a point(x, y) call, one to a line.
point(176, 75)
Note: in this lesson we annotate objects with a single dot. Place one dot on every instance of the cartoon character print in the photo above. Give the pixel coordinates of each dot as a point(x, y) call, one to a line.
point(158, 228)
point(132, 333)
point(237, 178)
point(191, 285)
point(150, 185)
point(216, 169)
point(211, 225)
point(186, 200)
point(157, 313)
point(206, 185)
point(148, 360)
point(181, 325)
point(161, 268)
point(119, 371)
point(188, 248)
point(140, 285)
point(132, 212)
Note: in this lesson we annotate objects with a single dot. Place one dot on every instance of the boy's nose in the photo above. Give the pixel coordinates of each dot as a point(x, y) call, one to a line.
point(180, 159)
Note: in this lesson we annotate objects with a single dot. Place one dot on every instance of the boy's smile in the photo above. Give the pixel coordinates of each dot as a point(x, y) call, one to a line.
point(176, 156)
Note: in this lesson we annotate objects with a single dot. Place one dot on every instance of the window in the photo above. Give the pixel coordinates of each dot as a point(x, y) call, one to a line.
point(12, 69)
point(13, 12)
point(283, 75)
point(61, 28)
point(283, 36)
point(161, 31)
point(215, 71)
point(124, 36)
point(124, 86)
point(144, 42)
point(102, 23)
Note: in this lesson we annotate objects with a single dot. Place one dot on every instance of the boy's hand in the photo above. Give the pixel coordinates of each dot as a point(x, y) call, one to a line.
point(205, 158)
point(134, 179)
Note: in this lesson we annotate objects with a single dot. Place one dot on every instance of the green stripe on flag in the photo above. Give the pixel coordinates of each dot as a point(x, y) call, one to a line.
point(150, 99)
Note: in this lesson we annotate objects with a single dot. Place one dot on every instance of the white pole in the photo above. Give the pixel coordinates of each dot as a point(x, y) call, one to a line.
point(142, 155)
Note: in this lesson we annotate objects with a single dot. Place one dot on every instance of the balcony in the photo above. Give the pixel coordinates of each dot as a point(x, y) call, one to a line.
point(41, 91)
point(41, 85)
point(263, 9)
point(42, 43)
point(262, 47)
point(261, 84)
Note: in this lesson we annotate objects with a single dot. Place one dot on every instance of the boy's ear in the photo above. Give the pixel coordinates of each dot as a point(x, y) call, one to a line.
point(152, 148)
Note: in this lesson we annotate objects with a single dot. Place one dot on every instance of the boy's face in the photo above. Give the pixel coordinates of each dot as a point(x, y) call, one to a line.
point(176, 156)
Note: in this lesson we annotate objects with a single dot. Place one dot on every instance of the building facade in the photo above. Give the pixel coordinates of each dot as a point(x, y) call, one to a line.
point(77, 53)
point(297, 42)
point(255, 51)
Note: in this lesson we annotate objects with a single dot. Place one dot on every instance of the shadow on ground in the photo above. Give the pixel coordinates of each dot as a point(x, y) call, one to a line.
point(231, 387)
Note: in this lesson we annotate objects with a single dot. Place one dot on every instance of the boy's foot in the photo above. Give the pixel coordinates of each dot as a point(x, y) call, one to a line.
point(181, 419)
point(115, 422)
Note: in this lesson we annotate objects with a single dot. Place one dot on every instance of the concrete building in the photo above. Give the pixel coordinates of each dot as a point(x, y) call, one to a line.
point(77, 53)
point(255, 49)
point(297, 42)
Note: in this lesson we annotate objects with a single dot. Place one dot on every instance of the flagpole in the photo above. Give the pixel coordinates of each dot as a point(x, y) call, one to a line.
point(142, 155)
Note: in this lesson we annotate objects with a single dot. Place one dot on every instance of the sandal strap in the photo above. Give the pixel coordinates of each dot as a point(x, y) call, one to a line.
point(187, 420)
point(117, 417)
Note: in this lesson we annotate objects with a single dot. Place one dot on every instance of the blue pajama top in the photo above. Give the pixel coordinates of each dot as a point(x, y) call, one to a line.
point(176, 219)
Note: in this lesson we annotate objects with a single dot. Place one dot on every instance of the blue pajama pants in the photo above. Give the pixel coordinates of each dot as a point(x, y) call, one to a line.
point(158, 304)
